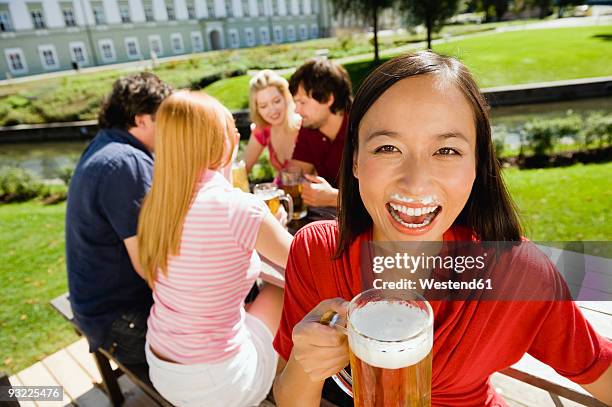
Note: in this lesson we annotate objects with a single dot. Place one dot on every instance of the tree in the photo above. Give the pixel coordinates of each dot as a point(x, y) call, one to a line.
point(432, 13)
point(369, 10)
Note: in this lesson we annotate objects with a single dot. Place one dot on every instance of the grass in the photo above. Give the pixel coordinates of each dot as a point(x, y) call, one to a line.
point(32, 272)
point(499, 59)
point(564, 204)
point(561, 204)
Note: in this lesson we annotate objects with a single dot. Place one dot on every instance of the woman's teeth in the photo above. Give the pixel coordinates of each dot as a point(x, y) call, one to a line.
point(411, 217)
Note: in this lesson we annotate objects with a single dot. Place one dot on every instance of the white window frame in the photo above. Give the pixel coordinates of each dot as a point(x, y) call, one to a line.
point(277, 34)
point(291, 33)
point(175, 50)
point(234, 38)
point(149, 6)
point(128, 40)
point(123, 16)
point(314, 31)
point(191, 11)
point(246, 11)
point(73, 20)
point(265, 39)
point(80, 44)
point(8, 21)
point(18, 51)
point(41, 52)
point(171, 12)
point(197, 34)
point(250, 41)
point(109, 42)
point(303, 32)
point(157, 38)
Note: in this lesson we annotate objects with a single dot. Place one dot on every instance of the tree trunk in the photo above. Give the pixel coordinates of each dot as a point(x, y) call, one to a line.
point(375, 17)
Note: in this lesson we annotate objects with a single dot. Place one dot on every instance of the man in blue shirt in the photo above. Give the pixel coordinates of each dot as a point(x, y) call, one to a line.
point(109, 297)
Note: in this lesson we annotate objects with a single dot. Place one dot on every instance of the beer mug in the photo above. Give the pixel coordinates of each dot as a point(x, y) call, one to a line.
point(239, 176)
point(291, 182)
point(273, 197)
point(390, 335)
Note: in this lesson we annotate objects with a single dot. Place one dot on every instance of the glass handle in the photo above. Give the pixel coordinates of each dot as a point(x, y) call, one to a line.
point(334, 320)
point(287, 198)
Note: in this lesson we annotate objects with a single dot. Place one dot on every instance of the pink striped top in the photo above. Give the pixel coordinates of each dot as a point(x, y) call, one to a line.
point(198, 314)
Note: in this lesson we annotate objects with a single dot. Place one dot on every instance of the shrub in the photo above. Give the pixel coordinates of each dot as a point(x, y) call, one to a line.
point(598, 129)
point(17, 184)
point(205, 81)
point(65, 174)
point(542, 134)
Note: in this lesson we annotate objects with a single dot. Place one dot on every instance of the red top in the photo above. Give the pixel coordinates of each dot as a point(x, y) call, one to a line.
point(472, 339)
point(316, 148)
point(263, 137)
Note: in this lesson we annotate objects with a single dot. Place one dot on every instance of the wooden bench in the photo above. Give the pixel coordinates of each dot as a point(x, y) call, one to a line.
point(4, 382)
point(138, 375)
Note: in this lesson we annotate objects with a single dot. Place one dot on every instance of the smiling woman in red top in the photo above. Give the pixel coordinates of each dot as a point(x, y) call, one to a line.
point(419, 165)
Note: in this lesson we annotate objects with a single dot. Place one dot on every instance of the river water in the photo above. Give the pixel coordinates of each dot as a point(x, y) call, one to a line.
point(46, 159)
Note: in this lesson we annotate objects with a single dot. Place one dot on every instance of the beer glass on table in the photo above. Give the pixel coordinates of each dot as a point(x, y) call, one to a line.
point(274, 198)
point(291, 182)
point(390, 335)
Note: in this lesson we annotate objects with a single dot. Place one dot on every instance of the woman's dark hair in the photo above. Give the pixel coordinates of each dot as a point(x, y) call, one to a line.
point(322, 78)
point(489, 211)
point(141, 93)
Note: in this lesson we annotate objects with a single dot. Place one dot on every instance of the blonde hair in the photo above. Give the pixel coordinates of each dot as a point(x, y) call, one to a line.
point(262, 80)
point(193, 133)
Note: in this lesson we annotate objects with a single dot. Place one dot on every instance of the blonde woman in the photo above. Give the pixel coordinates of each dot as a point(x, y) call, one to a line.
point(197, 241)
point(276, 124)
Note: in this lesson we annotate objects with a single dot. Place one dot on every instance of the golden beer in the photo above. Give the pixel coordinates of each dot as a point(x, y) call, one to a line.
point(390, 345)
point(240, 178)
point(273, 197)
point(291, 179)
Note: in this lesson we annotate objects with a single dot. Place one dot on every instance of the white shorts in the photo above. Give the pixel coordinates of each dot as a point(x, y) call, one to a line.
point(242, 380)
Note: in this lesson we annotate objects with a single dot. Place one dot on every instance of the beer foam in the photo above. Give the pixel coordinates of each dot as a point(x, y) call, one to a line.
point(382, 325)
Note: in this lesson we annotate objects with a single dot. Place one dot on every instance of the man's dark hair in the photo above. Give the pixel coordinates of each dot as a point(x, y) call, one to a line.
point(322, 78)
point(132, 95)
point(489, 211)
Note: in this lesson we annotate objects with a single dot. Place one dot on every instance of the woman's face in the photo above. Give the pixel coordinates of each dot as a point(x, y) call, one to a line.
point(416, 161)
point(271, 105)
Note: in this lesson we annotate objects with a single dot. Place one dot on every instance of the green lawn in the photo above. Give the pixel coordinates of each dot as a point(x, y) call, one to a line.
point(32, 272)
point(502, 58)
point(556, 204)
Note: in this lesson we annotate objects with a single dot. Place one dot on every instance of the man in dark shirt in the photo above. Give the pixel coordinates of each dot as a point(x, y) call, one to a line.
point(109, 297)
point(322, 93)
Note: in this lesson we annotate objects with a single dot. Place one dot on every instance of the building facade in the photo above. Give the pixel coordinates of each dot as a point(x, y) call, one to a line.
point(39, 36)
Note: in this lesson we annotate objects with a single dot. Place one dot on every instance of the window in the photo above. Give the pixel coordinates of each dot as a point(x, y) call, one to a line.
point(107, 50)
point(229, 8)
point(155, 45)
point(246, 10)
point(260, 8)
point(278, 34)
point(124, 10)
point(6, 24)
point(250, 37)
point(98, 12)
point(170, 11)
point(301, 7)
point(234, 39)
point(177, 43)
point(290, 33)
point(38, 19)
point(131, 48)
point(274, 7)
point(191, 11)
point(314, 31)
point(210, 6)
point(77, 52)
point(315, 6)
point(303, 32)
point(148, 10)
point(69, 17)
point(15, 60)
point(265, 35)
point(197, 44)
point(48, 57)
